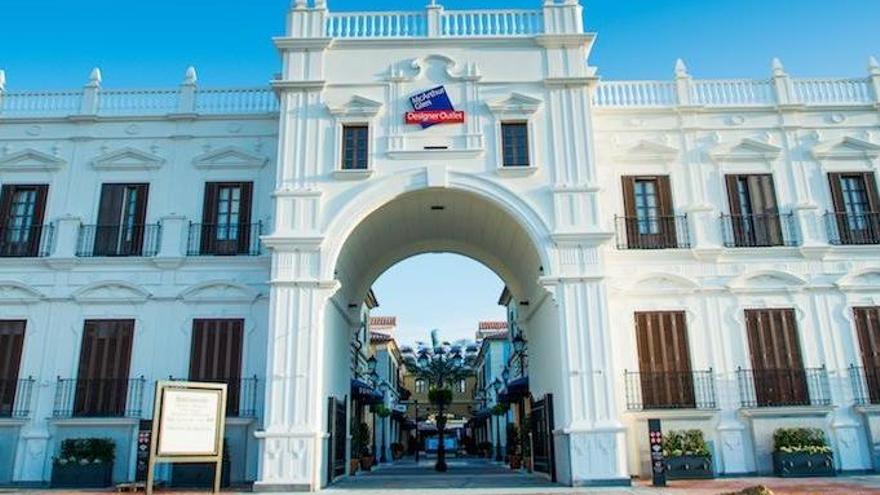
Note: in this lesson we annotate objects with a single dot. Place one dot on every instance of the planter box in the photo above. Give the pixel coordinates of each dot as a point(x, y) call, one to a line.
point(78, 476)
point(198, 475)
point(800, 465)
point(689, 467)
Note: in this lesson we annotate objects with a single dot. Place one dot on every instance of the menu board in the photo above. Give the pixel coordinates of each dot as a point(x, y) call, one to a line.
point(189, 424)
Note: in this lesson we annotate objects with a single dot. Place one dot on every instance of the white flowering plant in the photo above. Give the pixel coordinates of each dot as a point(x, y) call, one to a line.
point(85, 451)
point(800, 441)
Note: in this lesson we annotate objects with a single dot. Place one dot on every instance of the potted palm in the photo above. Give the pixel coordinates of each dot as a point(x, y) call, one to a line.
point(801, 452)
point(687, 455)
point(363, 442)
point(526, 442)
point(84, 463)
point(513, 447)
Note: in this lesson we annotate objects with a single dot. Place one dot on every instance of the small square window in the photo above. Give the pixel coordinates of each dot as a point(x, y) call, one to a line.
point(355, 147)
point(515, 144)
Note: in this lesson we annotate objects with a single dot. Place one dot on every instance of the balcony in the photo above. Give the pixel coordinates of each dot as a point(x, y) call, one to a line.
point(670, 390)
point(224, 240)
point(15, 398)
point(783, 387)
point(241, 395)
point(846, 229)
point(865, 385)
point(660, 232)
point(118, 241)
point(765, 230)
point(26, 242)
point(99, 398)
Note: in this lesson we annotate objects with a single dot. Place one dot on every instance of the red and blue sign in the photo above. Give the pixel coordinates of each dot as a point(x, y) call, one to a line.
point(433, 107)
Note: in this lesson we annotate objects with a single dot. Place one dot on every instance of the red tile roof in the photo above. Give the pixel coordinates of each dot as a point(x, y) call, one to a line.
point(383, 321)
point(493, 325)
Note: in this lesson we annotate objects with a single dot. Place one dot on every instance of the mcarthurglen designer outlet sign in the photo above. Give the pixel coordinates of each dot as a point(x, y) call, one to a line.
point(433, 107)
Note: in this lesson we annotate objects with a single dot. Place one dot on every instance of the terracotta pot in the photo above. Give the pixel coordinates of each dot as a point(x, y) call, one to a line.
point(367, 463)
point(354, 464)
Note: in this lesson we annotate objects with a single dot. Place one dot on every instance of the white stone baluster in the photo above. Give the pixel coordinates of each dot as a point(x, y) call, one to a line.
point(434, 14)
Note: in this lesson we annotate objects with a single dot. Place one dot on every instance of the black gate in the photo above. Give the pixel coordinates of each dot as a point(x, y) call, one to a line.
point(337, 421)
point(543, 459)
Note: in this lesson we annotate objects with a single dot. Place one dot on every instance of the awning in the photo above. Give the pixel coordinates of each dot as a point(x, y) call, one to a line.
point(364, 393)
point(518, 388)
point(398, 415)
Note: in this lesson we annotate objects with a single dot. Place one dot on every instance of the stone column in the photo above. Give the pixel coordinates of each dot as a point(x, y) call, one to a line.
point(292, 441)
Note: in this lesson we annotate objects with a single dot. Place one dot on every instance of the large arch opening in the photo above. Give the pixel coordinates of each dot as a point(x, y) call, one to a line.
point(444, 220)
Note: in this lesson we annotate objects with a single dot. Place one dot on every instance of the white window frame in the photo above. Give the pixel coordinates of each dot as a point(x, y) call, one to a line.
point(516, 109)
point(357, 111)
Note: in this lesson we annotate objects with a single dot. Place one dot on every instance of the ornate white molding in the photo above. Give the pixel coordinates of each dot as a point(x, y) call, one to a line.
point(128, 158)
point(229, 157)
point(12, 292)
point(515, 105)
point(30, 160)
point(219, 291)
point(648, 151)
point(746, 150)
point(847, 148)
point(111, 291)
point(357, 106)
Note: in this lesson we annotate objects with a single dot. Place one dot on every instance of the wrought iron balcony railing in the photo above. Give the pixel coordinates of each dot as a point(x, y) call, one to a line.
point(865, 384)
point(853, 228)
point(15, 398)
point(661, 232)
point(224, 240)
point(670, 390)
point(765, 230)
point(116, 240)
point(241, 395)
point(784, 387)
point(99, 398)
point(26, 242)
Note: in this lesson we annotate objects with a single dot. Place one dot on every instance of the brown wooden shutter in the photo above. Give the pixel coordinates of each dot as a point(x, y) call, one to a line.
point(109, 210)
point(867, 322)
point(630, 220)
point(780, 378)
point(667, 212)
point(105, 359)
point(216, 355)
point(836, 192)
point(768, 229)
point(244, 217)
point(209, 217)
point(664, 359)
point(11, 343)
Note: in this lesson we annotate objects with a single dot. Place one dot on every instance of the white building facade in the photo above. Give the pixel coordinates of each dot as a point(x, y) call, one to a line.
point(624, 217)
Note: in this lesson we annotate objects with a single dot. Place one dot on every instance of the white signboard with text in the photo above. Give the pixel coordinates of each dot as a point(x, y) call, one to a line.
point(190, 422)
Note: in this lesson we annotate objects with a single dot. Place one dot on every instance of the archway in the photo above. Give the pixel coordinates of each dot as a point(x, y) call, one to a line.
point(436, 220)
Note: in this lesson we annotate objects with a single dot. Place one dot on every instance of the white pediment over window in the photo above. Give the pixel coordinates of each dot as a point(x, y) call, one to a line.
point(848, 148)
point(30, 160)
point(663, 282)
point(357, 106)
point(648, 151)
point(18, 293)
point(230, 157)
point(111, 292)
point(219, 292)
point(863, 280)
point(746, 150)
point(128, 159)
point(766, 280)
point(515, 104)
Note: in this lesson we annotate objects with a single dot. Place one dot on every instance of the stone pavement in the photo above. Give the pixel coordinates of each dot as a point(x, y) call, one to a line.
point(482, 477)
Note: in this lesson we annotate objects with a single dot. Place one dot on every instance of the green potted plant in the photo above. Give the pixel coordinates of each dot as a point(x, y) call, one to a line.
point(84, 463)
point(356, 447)
point(440, 396)
point(801, 452)
point(363, 442)
point(687, 455)
point(526, 442)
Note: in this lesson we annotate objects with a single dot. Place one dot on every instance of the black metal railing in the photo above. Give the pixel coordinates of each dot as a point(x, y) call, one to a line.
point(661, 232)
point(26, 242)
point(99, 398)
point(224, 240)
point(853, 228)
point(670, 390)
point(764, 230)
point(15, 398)
point(241, 395)
point(865, 384)
point(116, 240)
point(784, 387)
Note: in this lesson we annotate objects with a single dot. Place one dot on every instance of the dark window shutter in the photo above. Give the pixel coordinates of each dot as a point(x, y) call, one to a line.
point(105, 359)
point(836, 192)
point(629, 210)
point(871, 188)
point(244, 217)
point(667, 212)
point(664, 359)
point(778, 370)
point(11, 343)
point(209, 217)
point(216, 355)
point(109, 211)
point(867, 322)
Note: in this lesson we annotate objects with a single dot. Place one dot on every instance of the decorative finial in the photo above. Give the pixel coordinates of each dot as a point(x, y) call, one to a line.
point(320, 4)
point(778, 68)
point(299, 4)
point(873, 66)
point(95, 78)
point(681, 69)
point(2, 80)
point(190, 78)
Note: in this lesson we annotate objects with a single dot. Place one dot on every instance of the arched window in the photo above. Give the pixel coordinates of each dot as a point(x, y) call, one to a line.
point(420, 386)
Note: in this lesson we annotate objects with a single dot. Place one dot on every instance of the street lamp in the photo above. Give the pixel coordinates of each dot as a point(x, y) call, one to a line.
point(371, 364)
point(505, 375)
point(384, 387)
point(519, 343)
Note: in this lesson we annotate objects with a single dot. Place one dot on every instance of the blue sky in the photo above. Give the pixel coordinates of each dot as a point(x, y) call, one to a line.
point(138, 43)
